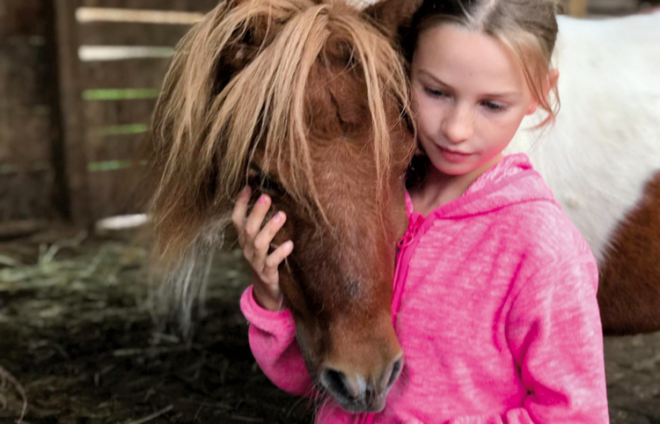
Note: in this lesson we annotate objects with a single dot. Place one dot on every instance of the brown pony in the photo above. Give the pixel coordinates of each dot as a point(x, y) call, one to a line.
point(306, 100)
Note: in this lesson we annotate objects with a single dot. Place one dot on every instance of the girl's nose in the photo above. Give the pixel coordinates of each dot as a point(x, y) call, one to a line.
point(458, 125)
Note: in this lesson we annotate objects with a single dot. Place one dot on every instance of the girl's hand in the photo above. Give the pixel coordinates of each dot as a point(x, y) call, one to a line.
point(255, 242)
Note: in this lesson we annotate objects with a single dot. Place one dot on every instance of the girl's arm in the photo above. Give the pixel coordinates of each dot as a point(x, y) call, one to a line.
point(555, 335)
point(272, 337)
point(272, 332)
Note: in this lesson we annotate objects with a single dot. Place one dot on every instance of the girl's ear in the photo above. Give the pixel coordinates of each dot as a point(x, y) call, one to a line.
point(553, 77)
point(532, 107)
point(551, 83)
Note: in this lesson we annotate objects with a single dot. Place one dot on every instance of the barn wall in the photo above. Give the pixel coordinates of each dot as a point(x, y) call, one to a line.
point(29, 184)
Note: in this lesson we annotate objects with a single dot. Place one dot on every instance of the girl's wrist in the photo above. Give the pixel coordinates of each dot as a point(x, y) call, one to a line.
point(264, 300)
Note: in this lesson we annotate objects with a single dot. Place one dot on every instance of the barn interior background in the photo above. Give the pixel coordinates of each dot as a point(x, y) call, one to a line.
point(78, 81)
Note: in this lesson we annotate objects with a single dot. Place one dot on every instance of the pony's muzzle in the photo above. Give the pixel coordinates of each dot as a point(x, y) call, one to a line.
point(356, 392)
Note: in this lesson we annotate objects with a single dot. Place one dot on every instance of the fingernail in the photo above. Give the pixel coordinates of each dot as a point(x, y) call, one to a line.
point(246, 191)
point(263, 199)
point(278, 217)
point(289, 245)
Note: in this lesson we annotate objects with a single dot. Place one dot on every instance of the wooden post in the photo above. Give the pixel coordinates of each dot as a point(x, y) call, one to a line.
point(577, 8)
point(71, 112)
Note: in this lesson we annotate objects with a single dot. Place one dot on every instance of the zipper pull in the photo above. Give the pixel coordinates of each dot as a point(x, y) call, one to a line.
point(413, 227)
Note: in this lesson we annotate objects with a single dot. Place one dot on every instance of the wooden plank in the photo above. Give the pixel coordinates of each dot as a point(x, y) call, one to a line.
point(22, 18)
point(106, 148)
point(86, 15)
point(21, 73)
point(26, 195)
point(131, 34)
point(27, 120)
point(117, 192)
point(614, 7)
point(25, 131)
point(133, 73)
point(191, 5)
point(122, 112)
point(577, 8)
point(25, 115)
point(10, 230)
point(72, 117)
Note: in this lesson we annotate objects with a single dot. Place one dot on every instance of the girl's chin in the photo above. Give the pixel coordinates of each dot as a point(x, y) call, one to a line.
point(454, 169)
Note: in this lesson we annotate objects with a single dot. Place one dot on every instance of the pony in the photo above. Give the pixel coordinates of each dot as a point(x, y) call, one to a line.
point(602, 158)
point(306, 100)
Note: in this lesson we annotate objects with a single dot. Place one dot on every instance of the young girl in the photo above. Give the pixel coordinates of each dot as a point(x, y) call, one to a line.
point(497, 317)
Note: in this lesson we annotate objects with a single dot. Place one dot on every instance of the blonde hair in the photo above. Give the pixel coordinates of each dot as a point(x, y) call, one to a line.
point(527, 27)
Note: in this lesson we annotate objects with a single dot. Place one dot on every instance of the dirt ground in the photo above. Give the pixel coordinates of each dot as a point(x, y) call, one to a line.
point(78, 344)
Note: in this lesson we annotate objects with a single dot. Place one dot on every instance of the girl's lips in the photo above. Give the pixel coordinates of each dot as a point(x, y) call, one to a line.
point(453, 155)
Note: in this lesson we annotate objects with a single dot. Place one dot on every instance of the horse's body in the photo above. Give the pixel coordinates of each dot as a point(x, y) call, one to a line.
point(602, 158)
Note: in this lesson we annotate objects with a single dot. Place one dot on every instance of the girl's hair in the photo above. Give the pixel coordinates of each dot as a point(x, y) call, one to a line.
point(527, 27)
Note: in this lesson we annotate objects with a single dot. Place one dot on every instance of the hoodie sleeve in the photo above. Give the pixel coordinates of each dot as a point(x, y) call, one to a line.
point(555, 335)
point(272, 337)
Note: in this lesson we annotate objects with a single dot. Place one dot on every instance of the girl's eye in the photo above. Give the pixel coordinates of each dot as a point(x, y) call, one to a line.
point(494, 107)
point(434, 93)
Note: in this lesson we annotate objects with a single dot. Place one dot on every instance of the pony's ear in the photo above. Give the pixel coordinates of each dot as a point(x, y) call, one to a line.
point(392, 15)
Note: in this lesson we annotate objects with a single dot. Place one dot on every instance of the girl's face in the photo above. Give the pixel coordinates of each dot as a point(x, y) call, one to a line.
point(469, 95)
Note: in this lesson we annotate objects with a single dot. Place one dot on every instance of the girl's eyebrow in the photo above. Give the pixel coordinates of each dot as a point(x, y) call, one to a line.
point(489, 95)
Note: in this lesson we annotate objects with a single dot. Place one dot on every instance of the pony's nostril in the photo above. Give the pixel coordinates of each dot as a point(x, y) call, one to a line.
point(337, 384)
point(360, 393)
point(396, 370)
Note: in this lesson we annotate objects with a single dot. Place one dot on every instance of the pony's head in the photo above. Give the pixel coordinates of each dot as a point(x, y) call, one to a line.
point(306, 101)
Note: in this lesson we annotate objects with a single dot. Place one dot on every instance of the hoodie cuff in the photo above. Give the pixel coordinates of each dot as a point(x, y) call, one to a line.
point(274, 322)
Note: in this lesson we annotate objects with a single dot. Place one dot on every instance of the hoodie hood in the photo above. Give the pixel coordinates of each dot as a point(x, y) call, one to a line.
point(511, 181)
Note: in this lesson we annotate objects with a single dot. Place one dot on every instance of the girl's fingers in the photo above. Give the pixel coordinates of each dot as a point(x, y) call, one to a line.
point(256, 218)
point(274, 260)
point(238, 215)
point(255, 241)
point(264, 239)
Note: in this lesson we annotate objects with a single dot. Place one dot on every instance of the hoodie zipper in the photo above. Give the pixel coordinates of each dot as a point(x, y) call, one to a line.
point(416, 221)
point(405, 250)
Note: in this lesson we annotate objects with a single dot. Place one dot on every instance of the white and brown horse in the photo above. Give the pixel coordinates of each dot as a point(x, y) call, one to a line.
point(602, 158)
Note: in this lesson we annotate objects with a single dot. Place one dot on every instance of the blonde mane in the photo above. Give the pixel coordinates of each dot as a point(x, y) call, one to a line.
point(205, 137)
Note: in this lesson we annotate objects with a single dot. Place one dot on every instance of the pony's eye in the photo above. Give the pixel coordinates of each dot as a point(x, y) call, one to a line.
point(271, 185)
point(265, 182)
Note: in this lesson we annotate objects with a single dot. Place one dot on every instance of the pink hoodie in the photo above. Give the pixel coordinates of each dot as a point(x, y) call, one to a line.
point(495, 301)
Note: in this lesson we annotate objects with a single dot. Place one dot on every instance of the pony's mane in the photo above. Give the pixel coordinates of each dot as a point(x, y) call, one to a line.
point(205, 137)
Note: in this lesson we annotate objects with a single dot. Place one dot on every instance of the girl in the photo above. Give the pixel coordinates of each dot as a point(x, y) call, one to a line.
point(497, 313)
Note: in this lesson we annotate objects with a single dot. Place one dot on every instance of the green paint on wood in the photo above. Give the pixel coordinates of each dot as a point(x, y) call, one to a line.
point(23, 168)
point(8, 168)
point(112, 165)
point(121, 129)
point(121, 94)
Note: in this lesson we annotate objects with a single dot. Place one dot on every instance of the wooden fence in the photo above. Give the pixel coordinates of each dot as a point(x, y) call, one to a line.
point(78, 82)
point(115, 55)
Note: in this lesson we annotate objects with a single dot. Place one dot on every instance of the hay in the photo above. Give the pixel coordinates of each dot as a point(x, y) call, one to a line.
point(77, 332)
